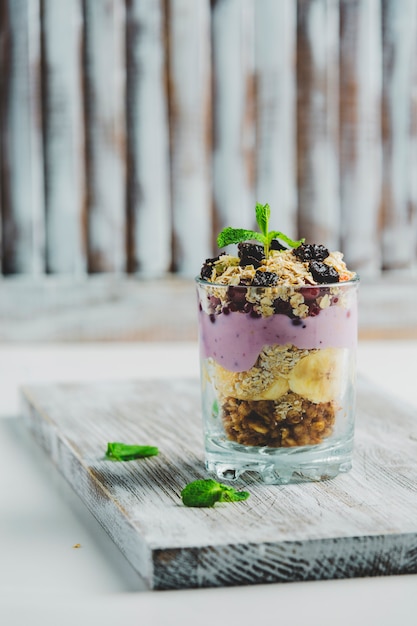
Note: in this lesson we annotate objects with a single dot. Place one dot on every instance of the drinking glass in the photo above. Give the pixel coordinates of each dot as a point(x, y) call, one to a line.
point(278, 367)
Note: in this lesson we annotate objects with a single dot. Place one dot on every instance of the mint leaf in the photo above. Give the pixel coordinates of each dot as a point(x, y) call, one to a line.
point(124, 452)
point(276, 234)
point(263, 213)
point(235, 235)
point(231, 495)
point(206, 492)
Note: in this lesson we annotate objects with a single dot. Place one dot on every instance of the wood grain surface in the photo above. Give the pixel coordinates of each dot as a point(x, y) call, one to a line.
point(64, 140)
point(399, 33)
point(132, 131)
point(233, 31)
point(363, 523)
point(360, 132)
point(105, 82)
point(148, 177)
point(276, 109)
point(318, 120)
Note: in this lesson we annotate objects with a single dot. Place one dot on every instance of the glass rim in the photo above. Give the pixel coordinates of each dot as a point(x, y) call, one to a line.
point(351, 282)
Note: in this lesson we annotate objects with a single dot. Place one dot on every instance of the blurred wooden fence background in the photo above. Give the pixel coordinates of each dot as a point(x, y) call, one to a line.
point(131, 131)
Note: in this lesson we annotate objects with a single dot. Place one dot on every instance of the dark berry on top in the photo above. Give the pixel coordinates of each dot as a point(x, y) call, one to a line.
point(311, 252)
point(250, 254)
point(277, 245)
point(207, 268)
point(264, 279)
point(323, 273)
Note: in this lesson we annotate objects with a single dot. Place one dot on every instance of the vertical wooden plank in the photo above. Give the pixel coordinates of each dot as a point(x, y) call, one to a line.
point(190, 110)
point(64, 136)
point(106, 140)
point(36, 137)
point(318, 120)
point(5, 47)
point(399, 33)
point(147, 139)
point(275, 46)
point(412, 162)
point(360, 133)
point(21, 146)
point(234, 114)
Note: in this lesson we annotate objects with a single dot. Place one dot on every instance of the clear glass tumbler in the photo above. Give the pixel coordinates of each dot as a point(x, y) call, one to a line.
point(278, 367)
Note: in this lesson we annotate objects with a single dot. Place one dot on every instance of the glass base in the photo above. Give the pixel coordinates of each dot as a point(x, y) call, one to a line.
point(279, 466)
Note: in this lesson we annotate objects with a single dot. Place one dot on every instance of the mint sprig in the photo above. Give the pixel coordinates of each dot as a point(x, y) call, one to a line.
point(231, 235)
point(206, 492)
point(117, 451)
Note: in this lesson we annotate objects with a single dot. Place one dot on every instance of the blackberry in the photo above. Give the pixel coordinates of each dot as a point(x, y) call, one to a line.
point(283, 307)
point(276, 245)
point(323, 273)
point(207, 268)
point(264, 279)
point(236, 298)
point(250, 254)
point(311, 252)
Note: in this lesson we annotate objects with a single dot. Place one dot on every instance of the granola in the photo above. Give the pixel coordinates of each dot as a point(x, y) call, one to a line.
point(290, 421)
point(284, 282)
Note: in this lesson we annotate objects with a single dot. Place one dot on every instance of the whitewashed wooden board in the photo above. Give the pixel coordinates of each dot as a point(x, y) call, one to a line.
point(363, 523)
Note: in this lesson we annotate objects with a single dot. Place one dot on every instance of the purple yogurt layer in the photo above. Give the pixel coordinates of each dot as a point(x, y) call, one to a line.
point(236, 340)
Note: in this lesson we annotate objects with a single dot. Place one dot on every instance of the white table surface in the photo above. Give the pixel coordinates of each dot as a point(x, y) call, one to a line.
point(45, 580)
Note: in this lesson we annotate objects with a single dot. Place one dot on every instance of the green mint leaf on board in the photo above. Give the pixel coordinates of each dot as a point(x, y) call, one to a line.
point(231, 235)
point(206, 492)
point(263, 213)
point(235, 235)
point(125, 452)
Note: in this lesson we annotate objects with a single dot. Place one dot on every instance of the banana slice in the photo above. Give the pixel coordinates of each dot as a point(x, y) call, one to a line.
point(318, 377)
point(250, 385)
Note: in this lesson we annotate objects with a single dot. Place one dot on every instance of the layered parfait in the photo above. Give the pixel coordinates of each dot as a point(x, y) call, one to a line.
point(278, 331)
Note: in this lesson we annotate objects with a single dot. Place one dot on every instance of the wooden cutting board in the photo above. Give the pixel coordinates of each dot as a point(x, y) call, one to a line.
point(363, 523)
